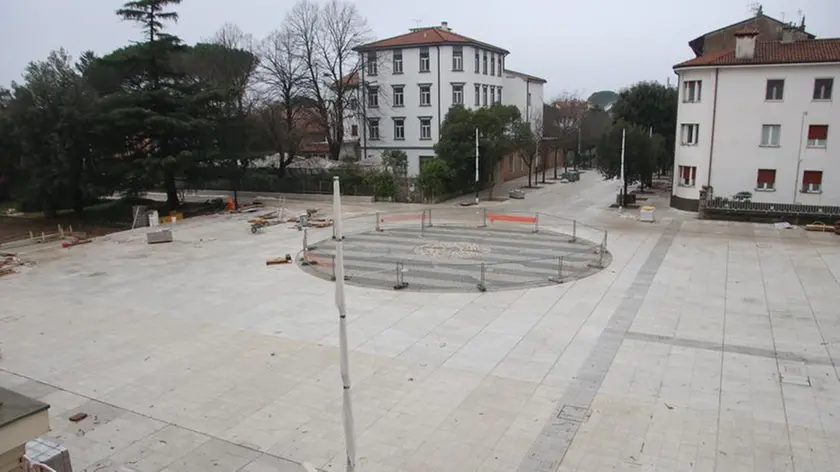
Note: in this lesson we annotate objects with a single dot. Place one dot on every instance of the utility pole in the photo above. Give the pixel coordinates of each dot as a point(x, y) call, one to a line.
point(476, 165)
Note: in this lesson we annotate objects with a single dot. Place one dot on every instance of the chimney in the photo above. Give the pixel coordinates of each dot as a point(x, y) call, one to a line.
point(789, 34)
point(745, 43)
point(444, 25)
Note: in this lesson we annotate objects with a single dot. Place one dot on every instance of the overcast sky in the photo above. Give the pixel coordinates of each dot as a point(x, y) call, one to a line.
point(578, 46)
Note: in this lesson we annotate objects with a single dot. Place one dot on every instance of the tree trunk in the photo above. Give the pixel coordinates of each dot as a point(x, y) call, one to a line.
point(48, 207)
point(78, 201)
point(555, 163)
point(530, 167)
point(545, 165)
point(171, 190)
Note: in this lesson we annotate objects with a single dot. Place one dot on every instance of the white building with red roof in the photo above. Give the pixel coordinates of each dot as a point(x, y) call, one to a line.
point(760, 118)
point(411, 81)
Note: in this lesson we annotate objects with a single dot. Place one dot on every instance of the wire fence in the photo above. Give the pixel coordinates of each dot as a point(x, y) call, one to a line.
point(528, 249)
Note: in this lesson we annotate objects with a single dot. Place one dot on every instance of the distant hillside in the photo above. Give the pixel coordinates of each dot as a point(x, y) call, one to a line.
point(604, 99)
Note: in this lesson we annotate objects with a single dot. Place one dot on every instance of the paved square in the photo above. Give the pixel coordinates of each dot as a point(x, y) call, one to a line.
point(703, 346)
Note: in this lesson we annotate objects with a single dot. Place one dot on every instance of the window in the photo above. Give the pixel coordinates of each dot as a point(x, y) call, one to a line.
point(424, 59)
point(817, 135)
point(399, 95)
point(492, 64)
point(492, 94)
point(775, 90)
point(373, 129)
point(687, 176)
point(354, 130)
point(766, 179)
point(501, 65)
point(457, 94)
point(484, 64)
point(771, 135)
point(499, 94)
point(510, 163)
point(477, 62)
point(425, 128)
point(691, 91)
point(689, 134)
point(812, 181)
point(822, 89)
point(373, 97)
point(477, 95)
point(371, 63)
point(425, 95)
point(457, 58)
point(484, 96)
point(399, 128)
point(398, 61)
point(424, 160)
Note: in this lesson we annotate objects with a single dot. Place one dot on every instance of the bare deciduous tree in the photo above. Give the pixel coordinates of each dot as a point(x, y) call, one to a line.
point(326, 37)
point(281, 75)
point(567, 116)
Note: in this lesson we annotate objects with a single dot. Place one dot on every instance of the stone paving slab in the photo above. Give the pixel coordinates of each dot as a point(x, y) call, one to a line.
point(196, 356)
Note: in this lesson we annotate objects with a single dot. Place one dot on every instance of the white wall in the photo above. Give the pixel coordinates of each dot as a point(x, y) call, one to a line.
point(441, 77)
point(741, 112)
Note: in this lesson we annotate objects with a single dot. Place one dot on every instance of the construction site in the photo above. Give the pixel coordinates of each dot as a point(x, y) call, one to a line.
point(551, 333)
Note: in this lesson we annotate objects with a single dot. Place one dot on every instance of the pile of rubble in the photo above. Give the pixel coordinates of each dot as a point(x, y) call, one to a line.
point(9, 263)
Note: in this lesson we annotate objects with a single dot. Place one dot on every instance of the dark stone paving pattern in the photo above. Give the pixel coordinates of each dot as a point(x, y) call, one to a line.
point(549, 449)
point(732, 348)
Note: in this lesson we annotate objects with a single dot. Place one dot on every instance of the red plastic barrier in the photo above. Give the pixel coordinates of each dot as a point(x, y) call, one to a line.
point(512, 218)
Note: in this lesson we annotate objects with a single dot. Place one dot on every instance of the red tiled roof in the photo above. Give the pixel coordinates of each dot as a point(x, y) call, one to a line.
point(426, 37)
point(774, 52)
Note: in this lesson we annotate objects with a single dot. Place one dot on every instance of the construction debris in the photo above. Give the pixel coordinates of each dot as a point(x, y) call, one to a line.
point(279, 260)
point(157, 237)
point(9, 263)
point(78, 417)
point(819, 226)
point(75, 241)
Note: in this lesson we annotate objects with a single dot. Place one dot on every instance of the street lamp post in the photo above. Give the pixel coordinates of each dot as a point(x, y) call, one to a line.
point(476, 165)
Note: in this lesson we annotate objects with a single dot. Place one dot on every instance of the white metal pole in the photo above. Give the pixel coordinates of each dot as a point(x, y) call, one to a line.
point(476, 165)
point(621, 180)
point(347, 405)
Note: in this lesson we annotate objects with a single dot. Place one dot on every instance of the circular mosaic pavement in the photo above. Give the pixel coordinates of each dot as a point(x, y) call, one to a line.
point(445, 258)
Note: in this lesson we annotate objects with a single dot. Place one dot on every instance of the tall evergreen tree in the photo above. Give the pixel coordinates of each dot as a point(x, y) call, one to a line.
point(158, 111)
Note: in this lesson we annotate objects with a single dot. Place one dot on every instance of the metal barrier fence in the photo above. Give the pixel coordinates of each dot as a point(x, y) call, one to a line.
point(557, 250)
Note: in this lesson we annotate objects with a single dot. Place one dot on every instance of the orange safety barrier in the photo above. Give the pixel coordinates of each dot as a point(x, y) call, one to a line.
point(386, 219)
point(512, 218)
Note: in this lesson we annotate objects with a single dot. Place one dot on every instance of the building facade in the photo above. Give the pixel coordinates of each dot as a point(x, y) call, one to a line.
point(760, 118)
point(769, 29)
point(409, 82)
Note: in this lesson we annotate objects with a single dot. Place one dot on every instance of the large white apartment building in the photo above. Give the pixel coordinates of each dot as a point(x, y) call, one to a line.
point(410, 82)
point(761, 118)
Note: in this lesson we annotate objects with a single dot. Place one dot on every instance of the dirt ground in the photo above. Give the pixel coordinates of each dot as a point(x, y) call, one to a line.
point(13, 228)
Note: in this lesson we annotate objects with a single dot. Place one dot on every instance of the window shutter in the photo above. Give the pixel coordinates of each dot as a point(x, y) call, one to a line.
point(693, 173)
point(812, 177)
point(766, 176)
point(818, 132)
